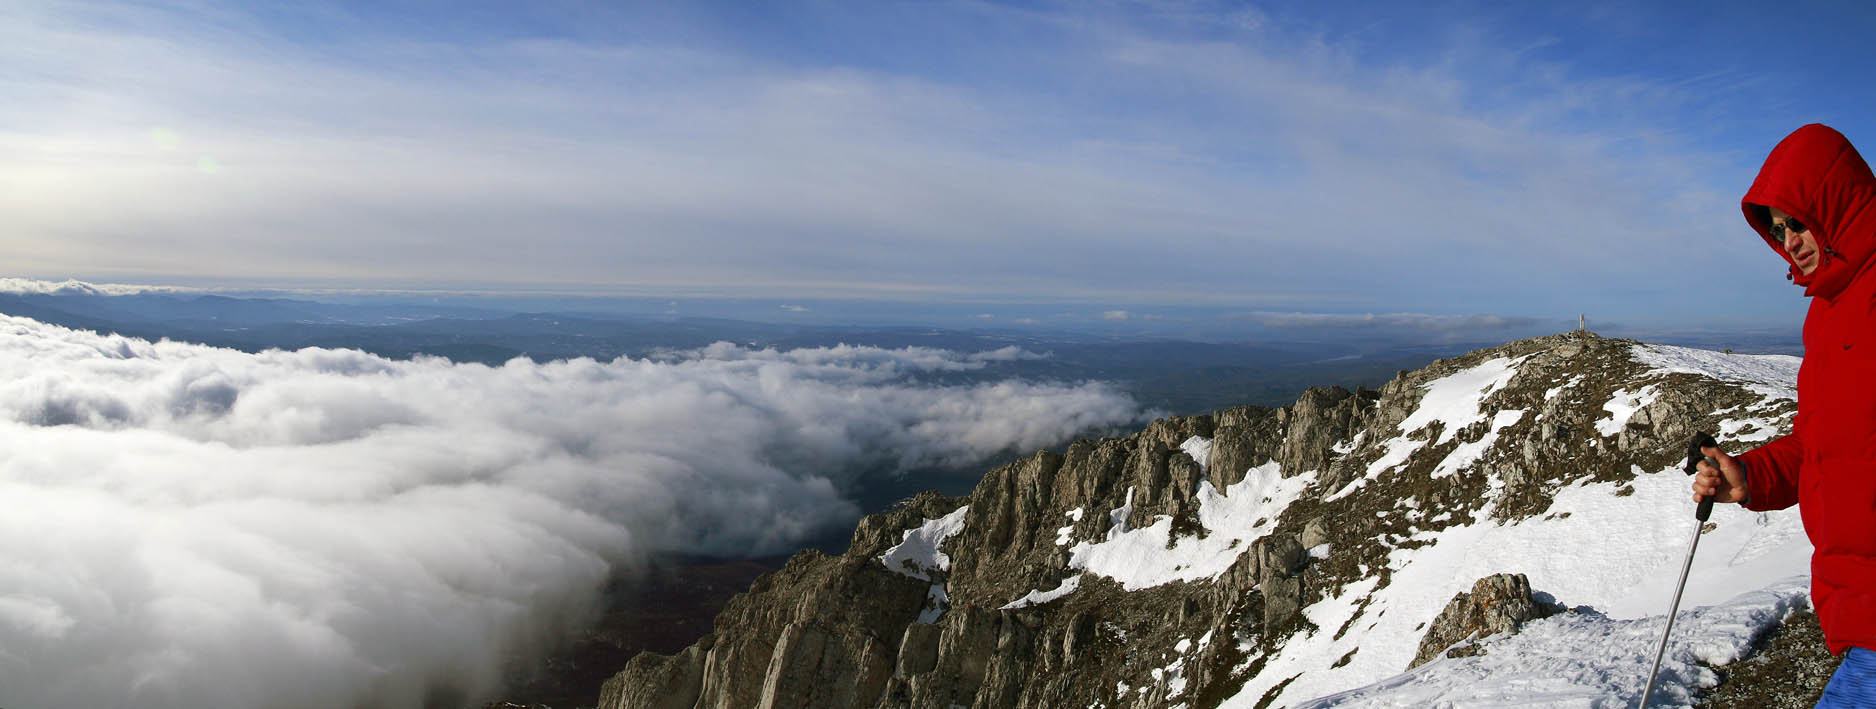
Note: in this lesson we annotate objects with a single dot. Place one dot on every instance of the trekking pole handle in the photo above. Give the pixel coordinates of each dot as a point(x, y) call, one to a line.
point(1701, 440)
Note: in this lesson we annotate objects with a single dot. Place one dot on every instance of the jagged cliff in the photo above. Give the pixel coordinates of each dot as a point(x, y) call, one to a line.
point(1169, 567)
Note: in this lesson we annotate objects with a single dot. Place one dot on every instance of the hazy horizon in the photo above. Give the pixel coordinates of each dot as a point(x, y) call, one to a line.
point(1194, 323)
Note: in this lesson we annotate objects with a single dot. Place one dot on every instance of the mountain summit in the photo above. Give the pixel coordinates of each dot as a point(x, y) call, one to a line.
point(1501, 527)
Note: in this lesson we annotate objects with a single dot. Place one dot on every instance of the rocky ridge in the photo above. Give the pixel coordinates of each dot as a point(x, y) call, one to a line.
point(1166, 568)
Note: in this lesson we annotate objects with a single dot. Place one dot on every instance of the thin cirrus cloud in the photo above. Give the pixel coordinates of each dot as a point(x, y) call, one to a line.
point(192, 526)
point(1171, 155)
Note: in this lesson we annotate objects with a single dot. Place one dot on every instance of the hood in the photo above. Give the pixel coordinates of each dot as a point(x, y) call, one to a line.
point(1817, 177)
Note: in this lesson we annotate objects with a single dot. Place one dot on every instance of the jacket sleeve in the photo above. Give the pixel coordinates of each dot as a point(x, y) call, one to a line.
point(1772, 473)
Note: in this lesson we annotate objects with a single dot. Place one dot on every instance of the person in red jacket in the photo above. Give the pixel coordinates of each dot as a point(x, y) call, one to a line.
point(1814, 203)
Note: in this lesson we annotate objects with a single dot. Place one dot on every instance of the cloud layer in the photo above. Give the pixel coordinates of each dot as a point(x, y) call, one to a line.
point(190, 526)
point(28, 286)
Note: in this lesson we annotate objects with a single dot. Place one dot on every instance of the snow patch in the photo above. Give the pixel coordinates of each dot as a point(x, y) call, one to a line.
point(1468, 453)
point(1770, 376)
point(1117, 517)
point(918, 555)
point(1148, 557)
point(1749, 430)
point(1066, 533)
point(1349, 446)
point(1552, 392)
point(1549, 663)
point(1035, 598)
point(1622, 406)
point(1200, 449)
point(937, 601)
point(1454, 399)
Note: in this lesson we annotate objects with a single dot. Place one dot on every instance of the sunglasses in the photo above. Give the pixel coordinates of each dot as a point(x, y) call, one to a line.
point(1791, 225)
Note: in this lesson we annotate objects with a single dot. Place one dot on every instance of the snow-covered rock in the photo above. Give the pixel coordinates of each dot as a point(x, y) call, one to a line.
point(1298, 556)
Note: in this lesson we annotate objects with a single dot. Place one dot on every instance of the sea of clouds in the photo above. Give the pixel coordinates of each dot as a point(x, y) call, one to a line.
point(187, 526)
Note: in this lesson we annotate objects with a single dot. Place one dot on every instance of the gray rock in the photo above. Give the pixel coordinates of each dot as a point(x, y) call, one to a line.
point(656, 681)
point(1315, 533)
point(918, 650)
point(1500, 603)
point(1280, 564)
point(1244, 438)
point(818, 665)
point(816, 630)
point(1319, 419)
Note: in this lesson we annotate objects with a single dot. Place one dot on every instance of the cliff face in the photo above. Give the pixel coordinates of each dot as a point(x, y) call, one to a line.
point(1170, 566)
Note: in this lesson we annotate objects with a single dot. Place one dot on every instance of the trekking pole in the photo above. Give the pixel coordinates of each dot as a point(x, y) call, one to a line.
point(1694, 456)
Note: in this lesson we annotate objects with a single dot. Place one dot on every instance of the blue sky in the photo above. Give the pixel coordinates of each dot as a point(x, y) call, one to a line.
point(1287, 163)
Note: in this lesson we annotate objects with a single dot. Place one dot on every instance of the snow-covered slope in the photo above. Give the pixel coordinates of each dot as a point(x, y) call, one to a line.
point(1610, 550)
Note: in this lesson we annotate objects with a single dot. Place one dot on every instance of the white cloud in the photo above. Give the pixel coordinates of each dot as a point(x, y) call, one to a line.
point(28, 286)
point(191, 526)
point(1011, 353)
point(795, 308)
point(1115, 315)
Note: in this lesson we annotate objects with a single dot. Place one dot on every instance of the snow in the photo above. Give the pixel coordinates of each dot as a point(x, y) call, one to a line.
point(918, 555)
point(937, 601)
point(1455, 398)
point(1117, 517)
point(1348, 489)
point(1349, 446)
point(1772, 376)
point(1614, 559)
point(1616, 556)
point(1552, 392)
point(1036, 598)
point(1587, 659)
point(1200, 449)
point(1065, 534)
point(1454, 401)
point(1750, 430)
point(1468, 453)
point(1622, 406)
point(1144, 558)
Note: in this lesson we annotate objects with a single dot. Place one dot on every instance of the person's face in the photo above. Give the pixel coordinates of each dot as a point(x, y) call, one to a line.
point(1802, 245)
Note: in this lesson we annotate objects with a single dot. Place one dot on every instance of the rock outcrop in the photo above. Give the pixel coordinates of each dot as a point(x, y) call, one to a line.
point(1030, 614)
point(1500, 603)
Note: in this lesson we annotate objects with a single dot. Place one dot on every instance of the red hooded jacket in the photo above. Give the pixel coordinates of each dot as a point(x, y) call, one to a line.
point(1827, 465)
